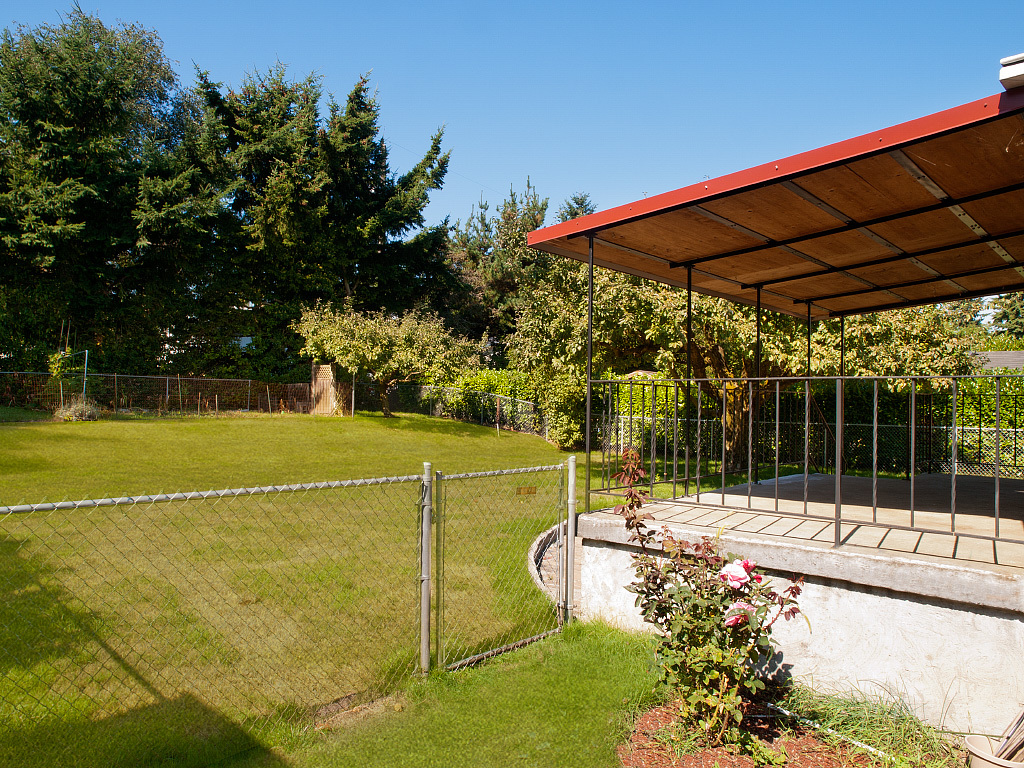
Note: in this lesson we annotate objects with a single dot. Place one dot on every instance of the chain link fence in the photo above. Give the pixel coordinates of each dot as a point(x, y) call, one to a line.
point(484, 408)
point(178, 395)
point(151, 394)
point(271, 607)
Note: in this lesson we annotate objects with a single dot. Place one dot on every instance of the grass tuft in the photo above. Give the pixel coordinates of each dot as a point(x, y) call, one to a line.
point(887, 725)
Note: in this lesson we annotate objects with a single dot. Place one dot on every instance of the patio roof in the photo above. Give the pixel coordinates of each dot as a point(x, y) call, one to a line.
point(923, 212)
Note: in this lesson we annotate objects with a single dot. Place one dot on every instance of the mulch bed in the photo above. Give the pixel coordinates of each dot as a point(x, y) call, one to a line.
point(803, 748)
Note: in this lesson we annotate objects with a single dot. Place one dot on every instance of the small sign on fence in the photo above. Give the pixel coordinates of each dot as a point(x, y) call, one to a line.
point(526, 490)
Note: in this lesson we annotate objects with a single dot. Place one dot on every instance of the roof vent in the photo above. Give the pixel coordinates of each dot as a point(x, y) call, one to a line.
point(1012, 73)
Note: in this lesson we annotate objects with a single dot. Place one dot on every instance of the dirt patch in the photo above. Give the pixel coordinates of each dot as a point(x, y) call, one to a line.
point(650, 745)
point(347, 717)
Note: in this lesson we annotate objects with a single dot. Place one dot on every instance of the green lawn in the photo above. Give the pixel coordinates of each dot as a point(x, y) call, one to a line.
point(55, 461)
point(566, 702)
point(236, 619)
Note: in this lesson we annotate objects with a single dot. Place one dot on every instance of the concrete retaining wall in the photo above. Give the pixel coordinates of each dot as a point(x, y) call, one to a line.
point(945, 638)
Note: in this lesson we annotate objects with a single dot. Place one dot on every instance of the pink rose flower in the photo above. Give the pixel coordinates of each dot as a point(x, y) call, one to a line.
point(739, 613)
point(757, 577)
point(734, 574)
point(748, 565)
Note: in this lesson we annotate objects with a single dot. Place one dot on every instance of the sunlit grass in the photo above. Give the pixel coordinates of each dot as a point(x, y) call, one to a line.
point(251, 611)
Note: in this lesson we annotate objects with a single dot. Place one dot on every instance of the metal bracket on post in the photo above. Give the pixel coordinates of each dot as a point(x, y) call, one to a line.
point(570, 548)
point(426, 512)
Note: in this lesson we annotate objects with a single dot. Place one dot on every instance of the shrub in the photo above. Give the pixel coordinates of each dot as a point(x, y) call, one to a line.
point(714, 613)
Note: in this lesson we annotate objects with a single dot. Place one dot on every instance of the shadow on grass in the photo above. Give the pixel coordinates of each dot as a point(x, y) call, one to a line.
point(173, 732)
point(44, 630)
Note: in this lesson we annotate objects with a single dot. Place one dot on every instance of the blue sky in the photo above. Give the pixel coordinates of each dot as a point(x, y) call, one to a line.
point(618, 100)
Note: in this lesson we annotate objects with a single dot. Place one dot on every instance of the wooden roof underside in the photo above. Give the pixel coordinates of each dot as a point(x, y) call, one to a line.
point(924, 212)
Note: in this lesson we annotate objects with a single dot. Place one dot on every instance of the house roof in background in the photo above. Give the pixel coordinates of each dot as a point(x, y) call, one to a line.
point(923, 212)
point(1000, 359)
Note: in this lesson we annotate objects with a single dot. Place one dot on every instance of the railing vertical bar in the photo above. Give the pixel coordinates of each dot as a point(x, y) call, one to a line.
point(750, 441)
point(630, 446)
point(807, 438)
point(956, 456)
point(700, 416)
point(654, 435)
point(664, 439)
point(840, 418)
point(675, 436)
point(913, 448)
point(724, 384)
point(777, 418)
point(874, 456)
point(999, 450)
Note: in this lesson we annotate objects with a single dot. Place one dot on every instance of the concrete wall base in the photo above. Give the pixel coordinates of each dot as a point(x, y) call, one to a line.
point(947, 640)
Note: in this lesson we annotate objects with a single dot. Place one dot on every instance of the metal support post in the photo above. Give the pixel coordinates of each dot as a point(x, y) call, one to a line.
point(842, 346)
point(808, 338)
point(570, 548)
point(590, 359)
point(426, 507)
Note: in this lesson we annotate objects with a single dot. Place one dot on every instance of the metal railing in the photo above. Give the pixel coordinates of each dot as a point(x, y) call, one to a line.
point(268, 604)
point(700, 438)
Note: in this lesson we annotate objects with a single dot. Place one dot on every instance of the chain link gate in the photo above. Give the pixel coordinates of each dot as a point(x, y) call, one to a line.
point(250, 608)
point(501, 546)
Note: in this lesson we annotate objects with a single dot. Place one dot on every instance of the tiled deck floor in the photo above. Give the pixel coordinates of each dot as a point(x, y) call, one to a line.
point(974, 514)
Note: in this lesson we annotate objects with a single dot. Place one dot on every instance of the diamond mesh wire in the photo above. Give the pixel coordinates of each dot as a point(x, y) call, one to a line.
point(488, 597)
point(262, 605)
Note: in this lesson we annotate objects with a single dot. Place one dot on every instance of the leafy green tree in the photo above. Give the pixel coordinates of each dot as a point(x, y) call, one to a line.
point(389, 348)
point(80, 103)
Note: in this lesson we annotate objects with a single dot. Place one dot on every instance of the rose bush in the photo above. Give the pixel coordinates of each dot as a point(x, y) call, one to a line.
point(714, 613)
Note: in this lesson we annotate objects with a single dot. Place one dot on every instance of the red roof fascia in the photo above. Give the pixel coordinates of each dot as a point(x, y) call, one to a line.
point(843, 151)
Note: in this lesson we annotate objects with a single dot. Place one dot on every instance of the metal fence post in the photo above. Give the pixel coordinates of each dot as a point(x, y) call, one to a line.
point(570, 549)
point(426, 504)
point(438, 569)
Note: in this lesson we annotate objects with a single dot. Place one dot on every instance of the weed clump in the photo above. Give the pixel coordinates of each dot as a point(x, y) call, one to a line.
point(78, 409)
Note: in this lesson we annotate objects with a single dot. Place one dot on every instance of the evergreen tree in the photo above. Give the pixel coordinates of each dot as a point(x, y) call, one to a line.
point(321, 214)
point(576, 205)
point(494, 259)
point(79, 105)
point(1009, 316)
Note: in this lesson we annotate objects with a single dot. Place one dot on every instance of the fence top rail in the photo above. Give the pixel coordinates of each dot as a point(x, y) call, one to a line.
point(156, 377)
point(641, 382)
point(497, 472)
point(191, 495)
